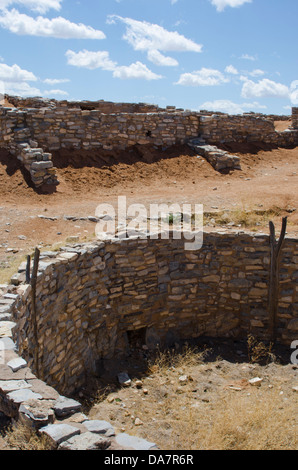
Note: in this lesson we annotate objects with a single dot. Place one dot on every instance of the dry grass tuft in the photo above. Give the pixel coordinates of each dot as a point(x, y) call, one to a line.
point(24, 437)
point(258, 352)
point(248, 218)
point(169, 360)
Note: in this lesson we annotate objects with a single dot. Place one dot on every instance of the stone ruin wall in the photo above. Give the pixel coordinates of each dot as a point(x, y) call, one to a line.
point(219, 129)
point(295, 118)
point(65, 126)
point(31, 134)
point(90, 296)
point(73, 128)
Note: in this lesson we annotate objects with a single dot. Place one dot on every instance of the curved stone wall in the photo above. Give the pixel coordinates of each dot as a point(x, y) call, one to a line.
point(89, 297)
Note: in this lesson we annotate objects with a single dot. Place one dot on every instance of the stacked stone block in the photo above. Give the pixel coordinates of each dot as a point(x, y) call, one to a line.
point(219, 159)
point(218, 129)
point(37, 162)
point(16, 137)
point(295, 118)
point(74, 128)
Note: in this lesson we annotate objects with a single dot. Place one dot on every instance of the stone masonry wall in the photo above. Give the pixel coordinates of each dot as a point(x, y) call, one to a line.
point(15, 135)
point(64, 126)
point(219, 128)
point(295, 118)
point(75, 128)
point(90, 296)
point(61, 125)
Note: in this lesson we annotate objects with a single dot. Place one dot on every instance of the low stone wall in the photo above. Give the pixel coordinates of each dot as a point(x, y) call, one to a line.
point(89, 297)
point(218, 129)
point(295, 118)
point(65, 126)
point(12, 126)
point(74, 128)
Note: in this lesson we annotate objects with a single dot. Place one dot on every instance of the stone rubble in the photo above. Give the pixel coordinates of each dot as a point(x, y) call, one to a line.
point(219, 159)
point(37, 162)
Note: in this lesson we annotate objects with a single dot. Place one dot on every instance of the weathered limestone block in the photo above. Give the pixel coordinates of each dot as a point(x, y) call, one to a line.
point(219, 159)
point(295, 118)
point(86, 441)
point(58, 433)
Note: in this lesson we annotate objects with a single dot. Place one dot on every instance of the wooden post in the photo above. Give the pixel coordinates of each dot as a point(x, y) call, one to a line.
point(28, 269)
point(275, 250)
point(33, 306)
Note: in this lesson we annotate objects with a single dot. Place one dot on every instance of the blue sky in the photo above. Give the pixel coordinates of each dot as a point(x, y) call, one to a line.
point(226, 55)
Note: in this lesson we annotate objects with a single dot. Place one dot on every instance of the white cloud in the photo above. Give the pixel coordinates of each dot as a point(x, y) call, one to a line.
point(21, 89)
point(136, 70)
point(41, 6)
point(144, 36)
point(248, 57)
point(14, 74)
point(203, 77)
point(55, 92)
point(101, 60)
point(56, 81)
point(294, 85)
point(294, 92)
point(227, 106)
point(90, 60)
point(222, 4)
point(264, 89)
point(159, 59)
point(257, 73)
point(59, 27)
point(231, 69)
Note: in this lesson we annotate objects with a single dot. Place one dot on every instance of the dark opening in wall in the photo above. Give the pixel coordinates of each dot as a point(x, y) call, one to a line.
point(87, 108)
point(136, 338)
point(149, 134)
